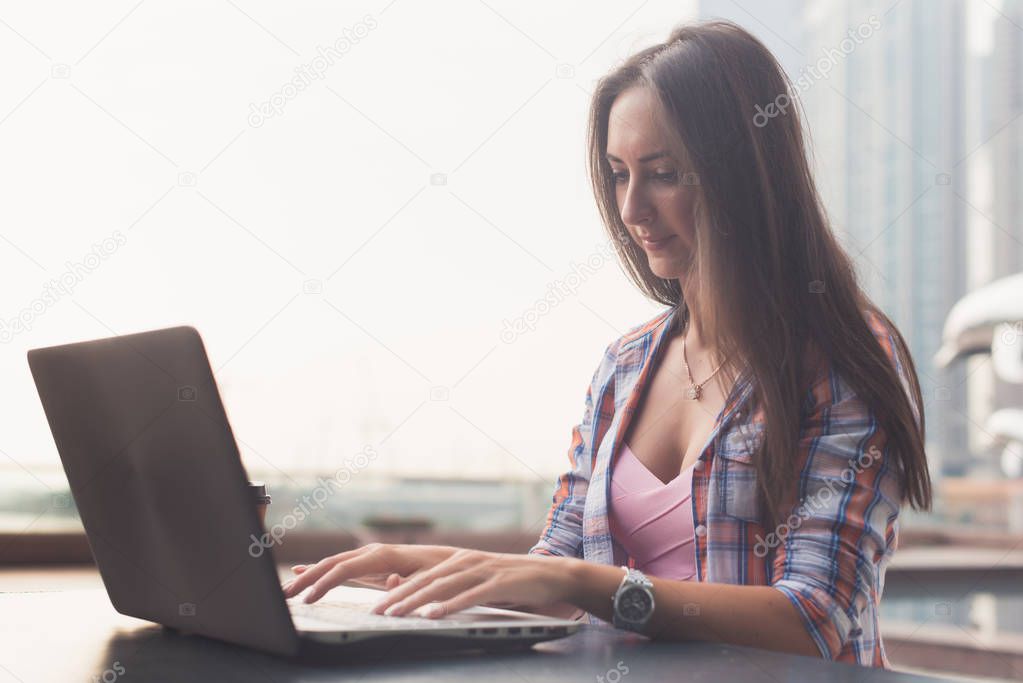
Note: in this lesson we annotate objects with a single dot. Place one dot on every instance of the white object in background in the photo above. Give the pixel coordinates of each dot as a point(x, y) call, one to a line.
point(1012, 459)
point(970, 325)
point(1005, 427)
point(1007, 352)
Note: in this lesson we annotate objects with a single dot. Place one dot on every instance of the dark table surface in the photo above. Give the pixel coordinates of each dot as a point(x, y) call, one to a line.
point(75, 635)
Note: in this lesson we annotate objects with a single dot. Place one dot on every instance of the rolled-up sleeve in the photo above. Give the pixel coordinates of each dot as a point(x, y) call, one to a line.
point(834, 545)
point(563, 532)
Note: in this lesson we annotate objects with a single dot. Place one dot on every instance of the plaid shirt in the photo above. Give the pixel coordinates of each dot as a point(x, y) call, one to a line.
point(835, 548)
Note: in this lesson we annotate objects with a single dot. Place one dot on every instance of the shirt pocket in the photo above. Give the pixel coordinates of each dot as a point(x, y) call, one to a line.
point(738, 494)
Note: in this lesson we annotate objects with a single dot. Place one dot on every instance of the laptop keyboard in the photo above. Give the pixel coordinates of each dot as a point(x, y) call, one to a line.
point(357, 615)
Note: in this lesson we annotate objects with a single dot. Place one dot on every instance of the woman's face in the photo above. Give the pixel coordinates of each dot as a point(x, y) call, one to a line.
point(654, 203)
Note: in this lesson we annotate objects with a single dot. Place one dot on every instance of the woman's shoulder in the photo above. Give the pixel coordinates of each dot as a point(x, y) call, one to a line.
point(879, 324)
point(885, 332)
point(648, 328)
point(617, 354)
point(828, 384)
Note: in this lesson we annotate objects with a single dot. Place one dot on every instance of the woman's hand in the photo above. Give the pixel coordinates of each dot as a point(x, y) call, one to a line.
point(378, 581)
point(376, 564)
point(474, 577)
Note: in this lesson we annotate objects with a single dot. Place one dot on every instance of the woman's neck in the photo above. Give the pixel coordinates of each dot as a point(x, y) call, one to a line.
point(694, 328)
point(699, 346)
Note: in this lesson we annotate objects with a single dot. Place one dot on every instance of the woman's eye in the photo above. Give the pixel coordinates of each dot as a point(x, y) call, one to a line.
point(664, 177)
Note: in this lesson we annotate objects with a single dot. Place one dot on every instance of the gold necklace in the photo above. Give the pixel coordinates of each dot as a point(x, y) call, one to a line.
point(695, 391)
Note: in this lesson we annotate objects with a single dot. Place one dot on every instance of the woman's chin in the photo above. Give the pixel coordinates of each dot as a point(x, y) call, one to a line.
point(667, 267)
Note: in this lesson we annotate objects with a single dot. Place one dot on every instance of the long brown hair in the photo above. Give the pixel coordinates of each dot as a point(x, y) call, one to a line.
point(785, 291)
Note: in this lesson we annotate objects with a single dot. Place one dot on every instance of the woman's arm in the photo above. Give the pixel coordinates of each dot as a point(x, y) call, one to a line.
point(562, 535)
point(757, 616)
point(827, 556)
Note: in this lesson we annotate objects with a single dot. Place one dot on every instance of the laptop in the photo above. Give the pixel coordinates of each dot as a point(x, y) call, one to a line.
point(156, 476)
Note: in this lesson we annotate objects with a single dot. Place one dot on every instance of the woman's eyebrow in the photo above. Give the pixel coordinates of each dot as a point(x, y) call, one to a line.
point(642, 160)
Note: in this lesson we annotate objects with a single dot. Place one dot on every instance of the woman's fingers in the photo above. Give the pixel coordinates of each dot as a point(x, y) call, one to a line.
point(404, 587)
point(453, 565)
point(470, 578)
point(437, 590)
point(389, 565)
point(297, 569)
point(464, 600)
point(368, 563)
point(375, 581)
point(311, 573)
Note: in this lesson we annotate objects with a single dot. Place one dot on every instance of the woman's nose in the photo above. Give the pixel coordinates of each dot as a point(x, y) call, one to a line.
point(636, 208)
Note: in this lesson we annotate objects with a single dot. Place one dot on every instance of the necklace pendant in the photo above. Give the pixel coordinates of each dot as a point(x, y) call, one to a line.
point(694, 392)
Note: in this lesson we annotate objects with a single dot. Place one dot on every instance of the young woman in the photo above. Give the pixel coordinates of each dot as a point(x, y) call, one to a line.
point(743, 456)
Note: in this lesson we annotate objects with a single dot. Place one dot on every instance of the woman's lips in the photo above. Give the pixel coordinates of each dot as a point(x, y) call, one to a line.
point(657, 245)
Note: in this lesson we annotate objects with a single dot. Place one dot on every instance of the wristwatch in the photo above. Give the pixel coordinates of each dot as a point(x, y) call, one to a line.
point(633, 601)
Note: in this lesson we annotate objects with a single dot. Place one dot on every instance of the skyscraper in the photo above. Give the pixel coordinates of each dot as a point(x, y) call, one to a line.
point(882, 86)
point(992, 164)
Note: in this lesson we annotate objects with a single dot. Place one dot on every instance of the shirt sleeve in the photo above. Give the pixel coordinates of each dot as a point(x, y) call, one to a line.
point(842, 531)
point(563, 532)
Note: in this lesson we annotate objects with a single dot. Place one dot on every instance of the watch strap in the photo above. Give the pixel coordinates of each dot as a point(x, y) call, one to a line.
point(633, 577)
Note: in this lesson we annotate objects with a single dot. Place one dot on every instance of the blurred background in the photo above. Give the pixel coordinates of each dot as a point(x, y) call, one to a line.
point(378, 217)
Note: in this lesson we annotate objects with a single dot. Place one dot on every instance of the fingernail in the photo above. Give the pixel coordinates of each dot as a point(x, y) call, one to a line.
point(432, 611)
point(391, 610)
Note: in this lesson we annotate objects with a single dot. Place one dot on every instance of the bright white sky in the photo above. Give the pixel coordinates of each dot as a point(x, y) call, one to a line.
point(136, 118)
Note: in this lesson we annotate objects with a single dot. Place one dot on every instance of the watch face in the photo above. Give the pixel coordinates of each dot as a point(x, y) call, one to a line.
point(635, 604)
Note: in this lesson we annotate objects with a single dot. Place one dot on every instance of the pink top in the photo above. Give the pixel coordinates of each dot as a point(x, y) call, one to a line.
point(652, 520)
